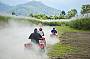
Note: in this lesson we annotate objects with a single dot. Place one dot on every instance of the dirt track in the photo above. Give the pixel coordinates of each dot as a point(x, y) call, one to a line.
point(79, 40)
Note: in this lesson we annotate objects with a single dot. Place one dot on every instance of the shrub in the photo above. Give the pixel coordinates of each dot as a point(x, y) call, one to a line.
point(83, 23)
point(54, 23)
point(4, 19)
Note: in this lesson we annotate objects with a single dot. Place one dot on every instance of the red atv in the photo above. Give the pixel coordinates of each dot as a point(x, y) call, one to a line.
point(41, 45)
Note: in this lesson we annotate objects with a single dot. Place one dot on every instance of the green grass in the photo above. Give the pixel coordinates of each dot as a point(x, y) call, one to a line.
point(82, 23)
point(61, 50)
point(4, 19)
point(63, 29)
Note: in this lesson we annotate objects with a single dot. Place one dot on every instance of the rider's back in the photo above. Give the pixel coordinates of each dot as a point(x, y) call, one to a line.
point(35, 36)
point(53, 31)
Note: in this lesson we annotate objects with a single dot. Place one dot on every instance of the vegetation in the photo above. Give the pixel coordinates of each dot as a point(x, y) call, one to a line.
point(62, 15)
point(67, 45)
point(4, 19)
point(54, 23)
point(64, 29)
point(47, 23)
point(13, 13)
point(39, 16)
point(71, 13)
point(83, 23)
point(44, 17)
point(60, 50)
point(85, 9)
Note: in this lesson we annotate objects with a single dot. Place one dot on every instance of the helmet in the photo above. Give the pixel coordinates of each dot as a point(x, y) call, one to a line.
point(35, 30)
point(40, 29)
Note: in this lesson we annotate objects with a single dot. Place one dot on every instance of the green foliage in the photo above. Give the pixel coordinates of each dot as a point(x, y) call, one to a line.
point(34, 21)
point(31, 15)
point(39, 16)
point(63, 13)
point(4, 19)
point(61, 50)
point(63, 29)
point(43, 16)
point(85, 9)
point(54, 23)
point(47, 23)
point(83, 23)
point(13, 13)
point(72, 13)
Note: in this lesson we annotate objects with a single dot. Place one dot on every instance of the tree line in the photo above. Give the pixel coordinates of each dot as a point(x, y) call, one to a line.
point(85, 9)
point(62, 15)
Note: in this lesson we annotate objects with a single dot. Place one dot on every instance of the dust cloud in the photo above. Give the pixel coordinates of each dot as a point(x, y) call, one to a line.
point(13, 38)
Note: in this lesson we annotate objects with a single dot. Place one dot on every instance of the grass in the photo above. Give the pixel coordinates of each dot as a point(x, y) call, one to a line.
point(61, 50)
point(82, 23)
point(63, 29)
point(67, 29)
point(4, 19)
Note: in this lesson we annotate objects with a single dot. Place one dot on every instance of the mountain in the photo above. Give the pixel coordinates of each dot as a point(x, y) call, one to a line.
point(32, 7)
point(4, 7)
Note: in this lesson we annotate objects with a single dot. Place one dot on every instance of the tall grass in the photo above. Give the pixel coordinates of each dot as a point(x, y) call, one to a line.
point(83, 23)
point(47, 23)
point(4, 19)
point(54, 23)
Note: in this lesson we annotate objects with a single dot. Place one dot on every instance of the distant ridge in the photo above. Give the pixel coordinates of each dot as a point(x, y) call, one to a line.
point(32, 7)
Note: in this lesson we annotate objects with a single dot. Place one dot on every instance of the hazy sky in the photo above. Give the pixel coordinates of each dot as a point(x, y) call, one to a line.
point(58, 4)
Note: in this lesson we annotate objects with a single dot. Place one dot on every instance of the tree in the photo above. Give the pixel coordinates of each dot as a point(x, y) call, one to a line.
point(13, 13)
point(63, 13)
point(31, 15)
point(72, 13)
point(85, 9)
point(39, 16)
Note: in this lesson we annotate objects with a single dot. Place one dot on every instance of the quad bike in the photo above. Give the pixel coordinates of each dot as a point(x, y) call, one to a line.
point(53, 34)
point(41, 45)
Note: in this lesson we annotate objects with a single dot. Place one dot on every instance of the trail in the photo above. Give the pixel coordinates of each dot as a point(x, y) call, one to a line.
point(13, 38)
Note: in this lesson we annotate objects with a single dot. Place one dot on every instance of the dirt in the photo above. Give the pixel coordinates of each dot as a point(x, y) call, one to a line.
point(80, 40)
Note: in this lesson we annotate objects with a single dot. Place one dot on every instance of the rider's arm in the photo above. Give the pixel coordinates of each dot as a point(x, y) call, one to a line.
point(40, 37)
point(43, 33)
point(30, 37)
point(56, 31)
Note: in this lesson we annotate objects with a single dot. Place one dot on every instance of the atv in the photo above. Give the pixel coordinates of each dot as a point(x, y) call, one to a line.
point(41, 45)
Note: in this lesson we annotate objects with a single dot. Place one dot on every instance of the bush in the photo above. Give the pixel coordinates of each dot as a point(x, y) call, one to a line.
point(4, 19)
point(34, 21)
point(47, 23)
point(54, 23)
point(83, 23)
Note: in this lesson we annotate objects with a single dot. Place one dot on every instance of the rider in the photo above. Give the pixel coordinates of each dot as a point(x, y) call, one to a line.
point(35, 37)
point(54, 31)
point(41, 32)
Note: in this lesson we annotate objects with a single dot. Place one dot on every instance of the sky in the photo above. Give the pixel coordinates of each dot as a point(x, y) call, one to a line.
point(58, 4)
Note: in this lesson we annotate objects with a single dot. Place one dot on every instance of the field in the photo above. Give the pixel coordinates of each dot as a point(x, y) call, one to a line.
point(74, 44)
